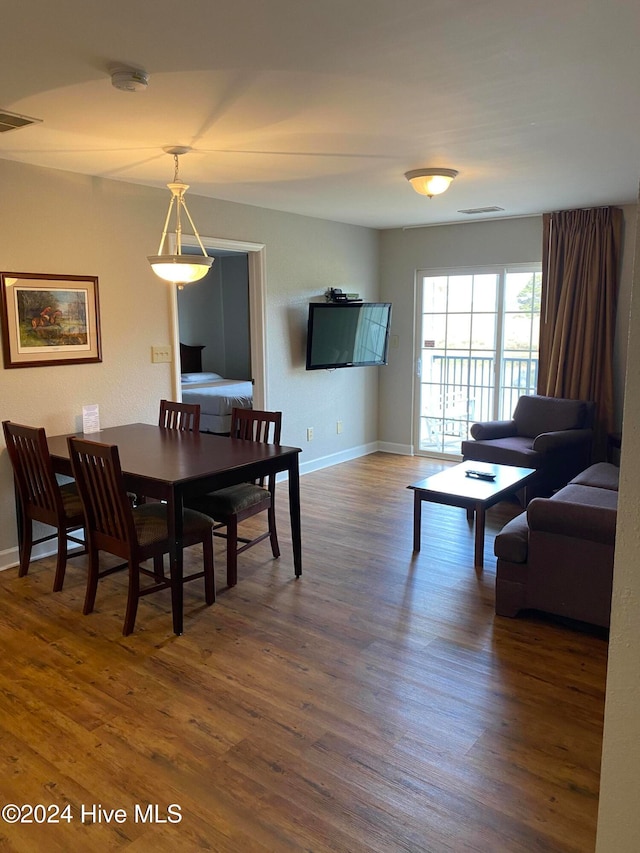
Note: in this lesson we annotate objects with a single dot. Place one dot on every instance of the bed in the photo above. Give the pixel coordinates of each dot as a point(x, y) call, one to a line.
point(215, 394)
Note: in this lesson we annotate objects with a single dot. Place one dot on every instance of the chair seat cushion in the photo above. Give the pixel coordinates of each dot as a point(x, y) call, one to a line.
point(513, 450)
point(230, 501)
point(71, 501)
point(151, 525)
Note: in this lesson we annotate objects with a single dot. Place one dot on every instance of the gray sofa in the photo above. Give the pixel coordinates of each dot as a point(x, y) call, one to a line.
point(557, 556)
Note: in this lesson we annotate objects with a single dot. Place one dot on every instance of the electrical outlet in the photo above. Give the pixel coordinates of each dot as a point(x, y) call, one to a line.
point(161, 355)
point(309, 433)
point(338, 427)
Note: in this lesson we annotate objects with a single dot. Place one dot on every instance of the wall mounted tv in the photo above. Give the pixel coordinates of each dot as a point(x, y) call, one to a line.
point(347, 334)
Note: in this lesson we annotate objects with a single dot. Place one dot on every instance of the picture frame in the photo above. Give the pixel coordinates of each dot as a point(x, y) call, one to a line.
point(49, 319)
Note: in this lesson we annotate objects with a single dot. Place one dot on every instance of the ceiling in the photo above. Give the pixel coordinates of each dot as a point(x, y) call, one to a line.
point(319, 108)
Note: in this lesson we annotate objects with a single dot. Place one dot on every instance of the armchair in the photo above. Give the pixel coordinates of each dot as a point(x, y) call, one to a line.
point(551, 434)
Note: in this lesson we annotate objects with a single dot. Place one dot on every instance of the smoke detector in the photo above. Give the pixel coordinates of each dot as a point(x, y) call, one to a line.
point(130, 79)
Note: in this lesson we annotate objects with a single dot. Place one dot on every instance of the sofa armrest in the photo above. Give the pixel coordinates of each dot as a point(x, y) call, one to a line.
point(580, 521)
point(547, 441)
point(493, 429)
point(513, 540)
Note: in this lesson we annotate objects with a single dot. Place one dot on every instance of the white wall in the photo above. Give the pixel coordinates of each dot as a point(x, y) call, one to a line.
point(62, 223)
point(619, 816)
point(507, 241)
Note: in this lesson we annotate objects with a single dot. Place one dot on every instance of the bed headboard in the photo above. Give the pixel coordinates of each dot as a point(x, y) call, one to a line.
point(191, 358)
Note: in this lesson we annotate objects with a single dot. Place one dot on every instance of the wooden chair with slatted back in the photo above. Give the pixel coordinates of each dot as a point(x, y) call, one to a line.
point(181, 416)
point(41, 498)
point(135, 534)
point(228, 507)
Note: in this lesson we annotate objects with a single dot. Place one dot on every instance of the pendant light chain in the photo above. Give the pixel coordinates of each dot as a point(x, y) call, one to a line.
point(180, 203)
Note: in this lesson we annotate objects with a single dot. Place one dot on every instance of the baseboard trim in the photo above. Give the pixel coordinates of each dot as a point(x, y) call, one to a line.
point(336, 458)
point(355, 453)
point(398, 449)
point(10, 558)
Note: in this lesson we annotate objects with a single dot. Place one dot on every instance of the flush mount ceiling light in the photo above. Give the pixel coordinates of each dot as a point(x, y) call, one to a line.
point(430, 181)
point(178, 268)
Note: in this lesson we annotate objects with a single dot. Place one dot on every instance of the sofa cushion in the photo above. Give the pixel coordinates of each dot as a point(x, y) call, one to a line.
point(512, 542)
point(535, 414)
point(581, 512)
point(587, 496)
point(603, 475)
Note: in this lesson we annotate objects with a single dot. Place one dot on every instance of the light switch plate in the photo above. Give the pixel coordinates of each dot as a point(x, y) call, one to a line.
point(160, 355)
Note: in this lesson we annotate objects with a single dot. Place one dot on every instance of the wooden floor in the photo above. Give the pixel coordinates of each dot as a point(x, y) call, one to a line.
point(374, 705)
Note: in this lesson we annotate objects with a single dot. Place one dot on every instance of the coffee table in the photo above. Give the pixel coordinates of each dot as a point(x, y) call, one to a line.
point(453, 488)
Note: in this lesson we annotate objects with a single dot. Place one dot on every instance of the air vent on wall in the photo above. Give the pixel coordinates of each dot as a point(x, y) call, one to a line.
point(13, 121)
point(472, 210)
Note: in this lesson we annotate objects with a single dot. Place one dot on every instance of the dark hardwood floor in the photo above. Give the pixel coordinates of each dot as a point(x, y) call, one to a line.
point(374, 705)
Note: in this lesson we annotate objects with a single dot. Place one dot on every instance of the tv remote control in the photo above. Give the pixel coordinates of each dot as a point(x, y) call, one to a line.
point(480, 475)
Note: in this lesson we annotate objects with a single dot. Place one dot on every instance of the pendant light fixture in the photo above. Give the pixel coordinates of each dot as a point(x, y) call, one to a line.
point(178, 268)
point(430, 181)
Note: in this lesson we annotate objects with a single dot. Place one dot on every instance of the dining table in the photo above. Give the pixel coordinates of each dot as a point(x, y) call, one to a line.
point(174, 466)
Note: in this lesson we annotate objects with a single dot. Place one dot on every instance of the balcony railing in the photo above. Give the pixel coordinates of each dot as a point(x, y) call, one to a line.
point(457, 391)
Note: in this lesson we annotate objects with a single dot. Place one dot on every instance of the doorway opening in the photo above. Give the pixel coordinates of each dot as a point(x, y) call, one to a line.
point(255, 267)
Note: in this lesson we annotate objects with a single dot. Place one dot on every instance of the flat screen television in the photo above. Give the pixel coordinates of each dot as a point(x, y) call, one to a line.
point(347, 334)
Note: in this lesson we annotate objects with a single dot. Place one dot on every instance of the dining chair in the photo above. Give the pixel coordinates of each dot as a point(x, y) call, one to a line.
point(234, 504)
point(135, 534)
point(41, 498)
point(181, 416)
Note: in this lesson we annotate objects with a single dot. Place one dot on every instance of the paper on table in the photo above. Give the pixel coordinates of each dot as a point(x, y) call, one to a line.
point(90, 418)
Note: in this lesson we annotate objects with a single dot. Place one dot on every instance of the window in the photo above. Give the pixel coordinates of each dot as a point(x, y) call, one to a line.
point(477, 349)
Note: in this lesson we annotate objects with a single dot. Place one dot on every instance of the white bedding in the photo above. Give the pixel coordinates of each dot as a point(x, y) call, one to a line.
point(217, 399)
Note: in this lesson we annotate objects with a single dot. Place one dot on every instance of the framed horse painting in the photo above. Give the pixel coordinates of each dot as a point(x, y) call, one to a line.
point(49, 319)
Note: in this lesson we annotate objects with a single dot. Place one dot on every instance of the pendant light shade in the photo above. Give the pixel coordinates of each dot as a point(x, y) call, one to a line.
point(178, 268)
point(430, 181)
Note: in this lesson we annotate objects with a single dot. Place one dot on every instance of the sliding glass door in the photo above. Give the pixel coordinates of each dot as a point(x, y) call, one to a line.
point(477, 350)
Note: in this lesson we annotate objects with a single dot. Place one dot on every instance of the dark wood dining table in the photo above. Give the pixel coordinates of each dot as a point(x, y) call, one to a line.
point(173, 466)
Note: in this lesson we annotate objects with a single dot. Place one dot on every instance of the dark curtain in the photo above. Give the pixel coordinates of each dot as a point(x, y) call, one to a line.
point(580, 277)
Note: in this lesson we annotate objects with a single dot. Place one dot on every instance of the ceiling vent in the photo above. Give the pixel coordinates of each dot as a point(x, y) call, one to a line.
point(471, 210)
point(13, 121)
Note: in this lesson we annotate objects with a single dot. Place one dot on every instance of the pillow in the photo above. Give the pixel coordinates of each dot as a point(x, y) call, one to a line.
point(186, 378)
